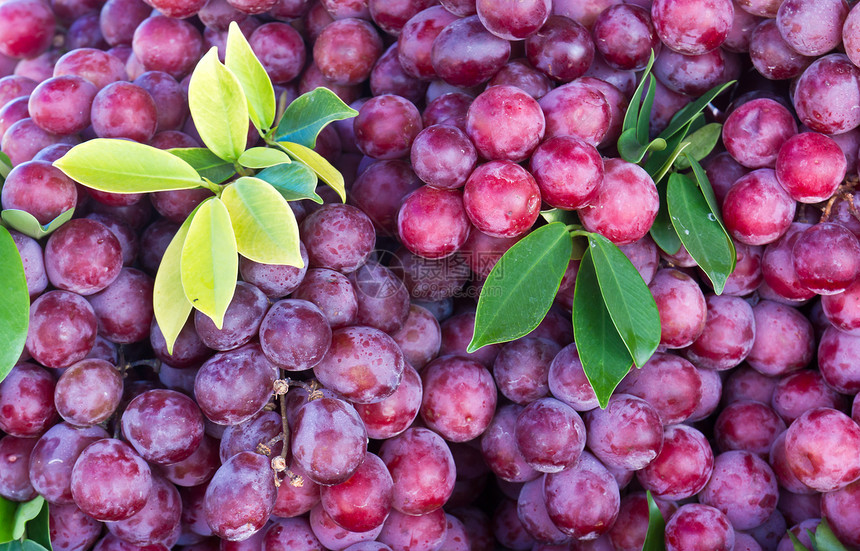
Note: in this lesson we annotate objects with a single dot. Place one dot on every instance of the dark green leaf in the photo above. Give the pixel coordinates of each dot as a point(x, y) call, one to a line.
point(701, 143)
point(26, 512)
point(308, 114)
point(686, 113)
point(7, 517)
point(27, 224)
point(123, 166)
point(699, 230)
point(207, 164)
point(662, 231)
point(825, 539)
point(604, 357)
point(708, 191)
point(30, 545)
point(245, 66)
point(631, 117)
point(655, 538)
point(628, 300)
point(567, 217)
point(294, 181)
point(521, 286)
point(14, 305)
point(218, 107)
point(796, 542)
point(659, 163)
point(5, 165)
point(632, 151)
point(642, 124)
point(38, 529)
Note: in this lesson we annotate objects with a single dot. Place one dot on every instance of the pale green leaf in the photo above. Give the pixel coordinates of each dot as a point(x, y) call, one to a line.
point(207, 164)
point(319, 165)
point(308, 114)
point(263, 157)
point(27, 224)
point(209, 261)
point(123, 166)
point(264, 224)
point(218, 107)
point(168, 297)
point(5, 165)
point(14, 306)
point(700, 144)
point(242, 62)
point(26, 512)
point(655, 538)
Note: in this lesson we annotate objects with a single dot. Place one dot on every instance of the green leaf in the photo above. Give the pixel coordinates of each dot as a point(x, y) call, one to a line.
point(659, 163)
point(169, 303)
point(567, 217)
point(686, 113)
point(825, 539)
point(263, 157)
point(521, 286)
point(643, 122)
point(294, 181)
point(601, 350)
point(264, 224)
point(701, 143)
point(628, 300)
point(218, 107)
point(209, 261)
point(655, 538)
point(207, 164)
point(308, 114)
point(631, 117)
point(5, 165)
point(255, 82)
point(26, 512)
point(7, 515)
point(14, 305)
point(39, 529)
point(319, 165)
point(123, 166)
point(708, 191)
point(632, 151)
point(27, 224)
point(662, 231)
point(699, 230)
point(796, 542)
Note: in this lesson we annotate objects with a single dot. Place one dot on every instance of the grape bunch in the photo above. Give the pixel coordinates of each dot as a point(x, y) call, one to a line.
point(338, 406)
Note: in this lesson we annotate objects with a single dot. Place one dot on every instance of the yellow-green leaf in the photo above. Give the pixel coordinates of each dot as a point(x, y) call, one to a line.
point(209, 262)
point(242, 62)
point(263, 157)
point(264, 224)
point(168, 298)
point(14, 305)
point(218, 107)
point(27, 224)
point(123, 166)
point(319, 165)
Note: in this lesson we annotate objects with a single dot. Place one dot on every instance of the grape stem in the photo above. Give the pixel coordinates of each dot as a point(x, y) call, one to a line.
point(845, 193)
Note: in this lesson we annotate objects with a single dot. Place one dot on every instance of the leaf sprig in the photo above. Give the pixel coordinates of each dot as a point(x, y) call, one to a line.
point(249, 213)
point(24, 526)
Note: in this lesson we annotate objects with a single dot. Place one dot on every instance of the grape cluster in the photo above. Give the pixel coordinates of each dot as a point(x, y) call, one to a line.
point(337, 406)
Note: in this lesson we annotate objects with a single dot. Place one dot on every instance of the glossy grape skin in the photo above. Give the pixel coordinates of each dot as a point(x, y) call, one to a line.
point(274, 280)
point(754, 132)
point(124, 308)
point(332, 536)
point(380, 189)
point(712, 392)
point(289, 534)
point(416, 38)
point(728, 335)
point(777, 265)
point(240, 496)
point(513, 20)
point(430, 280)
point(505, 122)
point(383, 301)
point(502, 199)
point(697, 527)
point(748, 505)
point(77, 321)
point(821, 449)
point(279, 333)
point(567, 380)
point(522, 367)
point(12, 112)
point(296, 499)
point(414, 533)
point(550, 435)
point(328, 424)
point(784, 339)
point(83, 256)
point(110, 481)
point(420, 337)
point(333, 294)
point(449, 108)
point(693, 75)
point(692, 28)
point(385, 127)
point(362, 502)
point(338, 237)
point(24, 139)
point(15, 453)
point(836, 360)
point(532, 513)
point(459, 398)
point(124, 110)
point(561, 49)
point(810, 166)
point(683, 466)
point(26, 28)
point(39, 189)
point(157, 522)
point(811, 28)
point(26, 401)
point(71, 529)
point(757, 210)
point(346, 50)
point(521, 74)
point(582, 501)
point(241, 320)
point(840, 508)
point(164, 426)
point(568, 171)
point(233, 386)
point(628, 434)
point(54, 456)
point(825, 92)
point(461, 66)
point(500, 450)
point(188, 350)
point(624, 35)
point(433, 223)
point(577, 109)
point(389, 77)
point(394, 414)
point(669, 383)
point(507, 526)
point(831, 273)
point(175, 56)
point(197, 468)
point(61, 105)
point(681, 306)
point(749, 426)
point(88, 392)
